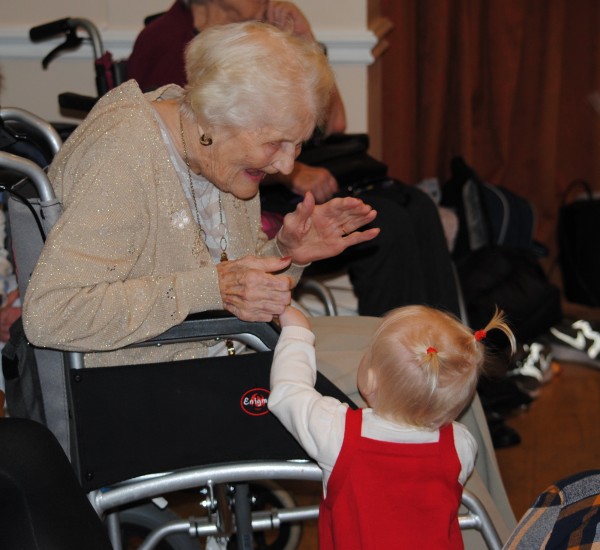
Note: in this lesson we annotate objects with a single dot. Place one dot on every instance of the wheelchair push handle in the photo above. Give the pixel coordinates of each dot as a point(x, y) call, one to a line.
point(31, 170)
point(34, 123)
point(108, 73)
point(50, 30)
point(68, 26)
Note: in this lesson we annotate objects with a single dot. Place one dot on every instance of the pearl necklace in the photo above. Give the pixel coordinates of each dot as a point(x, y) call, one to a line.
point(222, 228)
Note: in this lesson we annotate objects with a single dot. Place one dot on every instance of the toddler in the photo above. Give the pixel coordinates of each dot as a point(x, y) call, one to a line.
point(392, 472)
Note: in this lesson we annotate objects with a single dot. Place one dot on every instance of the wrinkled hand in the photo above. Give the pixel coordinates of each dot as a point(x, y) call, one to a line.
point(314, 232)
point(252, 290)
point(288, 17)
point(319, 181)
point(8, 314)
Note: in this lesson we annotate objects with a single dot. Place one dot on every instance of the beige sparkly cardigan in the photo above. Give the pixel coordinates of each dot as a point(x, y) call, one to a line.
point(120, 266)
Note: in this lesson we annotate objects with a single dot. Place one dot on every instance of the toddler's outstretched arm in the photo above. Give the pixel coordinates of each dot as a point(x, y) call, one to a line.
point(293, 317)
point(310, 417)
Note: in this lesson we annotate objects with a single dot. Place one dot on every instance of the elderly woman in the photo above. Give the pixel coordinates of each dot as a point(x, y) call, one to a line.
point(160, 195)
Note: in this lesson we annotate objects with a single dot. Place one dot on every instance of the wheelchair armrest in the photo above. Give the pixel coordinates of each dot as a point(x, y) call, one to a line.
point(220, 324)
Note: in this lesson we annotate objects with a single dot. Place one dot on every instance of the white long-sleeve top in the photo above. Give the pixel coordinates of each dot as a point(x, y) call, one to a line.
point(318, 422)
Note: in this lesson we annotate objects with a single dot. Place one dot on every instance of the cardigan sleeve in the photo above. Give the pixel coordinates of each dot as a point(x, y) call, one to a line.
point(95, 286)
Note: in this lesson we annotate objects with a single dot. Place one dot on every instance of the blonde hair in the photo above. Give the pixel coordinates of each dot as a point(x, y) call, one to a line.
point(251, 74)
point(427, 364)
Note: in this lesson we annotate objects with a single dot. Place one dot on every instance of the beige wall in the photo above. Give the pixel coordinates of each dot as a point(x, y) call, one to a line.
point(341, 24)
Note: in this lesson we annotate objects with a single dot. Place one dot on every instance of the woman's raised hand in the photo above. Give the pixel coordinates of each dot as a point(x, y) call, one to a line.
point(252, 289)
point(287, 16)
point(314, 232)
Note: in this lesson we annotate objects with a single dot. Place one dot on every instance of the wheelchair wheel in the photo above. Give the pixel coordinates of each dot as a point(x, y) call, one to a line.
point(136, 524)
point(267, 495)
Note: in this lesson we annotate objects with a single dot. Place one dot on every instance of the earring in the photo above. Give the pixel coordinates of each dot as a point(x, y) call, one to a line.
point(205, 140)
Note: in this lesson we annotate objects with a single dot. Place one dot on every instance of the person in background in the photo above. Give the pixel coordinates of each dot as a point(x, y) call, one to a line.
point(157, 57)
point(409, 261)
point(393, 472)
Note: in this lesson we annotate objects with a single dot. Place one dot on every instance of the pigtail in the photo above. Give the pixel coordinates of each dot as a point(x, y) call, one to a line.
point(430, 363)
point(497, 322)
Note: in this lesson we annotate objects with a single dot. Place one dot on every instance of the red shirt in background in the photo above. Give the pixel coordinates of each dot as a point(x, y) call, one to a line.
point(158, 53)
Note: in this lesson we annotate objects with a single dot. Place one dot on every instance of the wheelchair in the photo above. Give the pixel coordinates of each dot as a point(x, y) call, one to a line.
point(136, 434)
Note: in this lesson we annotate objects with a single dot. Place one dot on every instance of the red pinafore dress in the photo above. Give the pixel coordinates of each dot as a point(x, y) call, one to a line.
point(384, 495)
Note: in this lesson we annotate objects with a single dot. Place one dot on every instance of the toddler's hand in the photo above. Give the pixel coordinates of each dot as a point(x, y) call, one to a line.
point(293, 317)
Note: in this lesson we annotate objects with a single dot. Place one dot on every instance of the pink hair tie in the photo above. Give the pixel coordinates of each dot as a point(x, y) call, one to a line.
point(480, 335)
point(431, 350)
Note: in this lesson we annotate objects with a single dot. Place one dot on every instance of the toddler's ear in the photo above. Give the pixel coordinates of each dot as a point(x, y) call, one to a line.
point(370, 385)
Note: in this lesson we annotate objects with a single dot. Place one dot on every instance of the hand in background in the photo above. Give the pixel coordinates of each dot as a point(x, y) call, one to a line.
point(319, 181)
point(288, 17)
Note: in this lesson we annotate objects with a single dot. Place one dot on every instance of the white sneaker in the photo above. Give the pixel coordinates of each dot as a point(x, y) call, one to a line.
point(577, 341)
point(532, 367)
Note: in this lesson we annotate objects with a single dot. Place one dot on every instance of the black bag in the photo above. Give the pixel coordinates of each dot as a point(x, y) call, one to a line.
point(578, 251)
point(495, 256)
point(346, 157)
point(513, 280)
point(488, 214)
